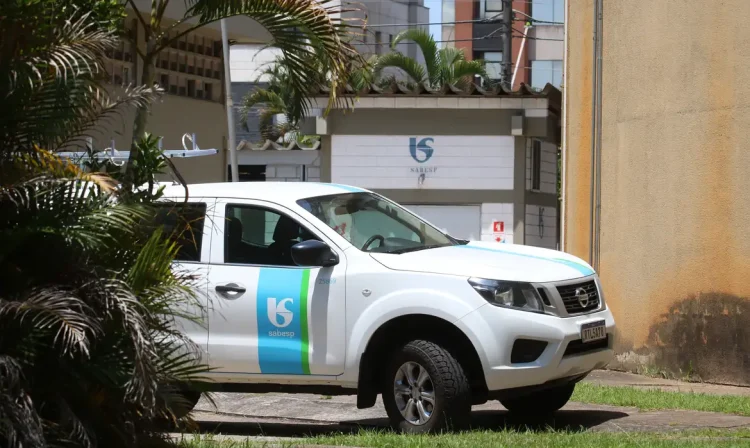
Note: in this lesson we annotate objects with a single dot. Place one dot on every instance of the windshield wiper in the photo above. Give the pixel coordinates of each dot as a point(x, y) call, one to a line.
point(416, 248)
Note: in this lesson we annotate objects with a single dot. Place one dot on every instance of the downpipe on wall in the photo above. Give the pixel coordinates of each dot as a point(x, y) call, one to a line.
point(596, 139)
point(600, 88)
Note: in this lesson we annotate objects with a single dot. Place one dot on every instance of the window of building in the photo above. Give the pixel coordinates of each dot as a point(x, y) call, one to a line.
point(378, 41)
point(184, 225)
point(248, 173)
point(260, 236)
point(493, 6)
point(543, 72)
point(536, 165)
point(126, 75)
point(191, 88)
point(164, 81)
point(493, 63)
point(548, 11)
point(208, 91)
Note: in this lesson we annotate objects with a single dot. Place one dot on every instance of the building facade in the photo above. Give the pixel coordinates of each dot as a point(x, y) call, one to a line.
point(478, 166)
point(385, 19)
point(671, 147)
point(541, 53)
point(191, 71)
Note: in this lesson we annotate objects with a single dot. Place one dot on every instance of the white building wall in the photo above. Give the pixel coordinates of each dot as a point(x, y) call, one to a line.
point(246, 62)
point(447, 162)
point(492, 213)
point(284, 165)
point(547, 44)
point(541, 226)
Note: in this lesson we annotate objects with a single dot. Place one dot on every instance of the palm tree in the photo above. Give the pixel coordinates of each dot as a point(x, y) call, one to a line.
point(446, 66)
point(280, 97)
point(89, 354)
point(299, 28)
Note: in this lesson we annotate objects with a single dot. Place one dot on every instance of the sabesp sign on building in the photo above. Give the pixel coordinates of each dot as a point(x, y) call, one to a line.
point(423, 161)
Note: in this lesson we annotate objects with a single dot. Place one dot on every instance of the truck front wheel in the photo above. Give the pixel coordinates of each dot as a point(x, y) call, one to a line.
point(426, 389)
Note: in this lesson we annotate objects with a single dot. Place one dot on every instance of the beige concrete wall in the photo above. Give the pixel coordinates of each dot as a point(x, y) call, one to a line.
point(171, 118)
point(675, 250)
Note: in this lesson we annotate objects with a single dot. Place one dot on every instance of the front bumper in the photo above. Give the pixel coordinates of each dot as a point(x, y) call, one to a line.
point(495, 330)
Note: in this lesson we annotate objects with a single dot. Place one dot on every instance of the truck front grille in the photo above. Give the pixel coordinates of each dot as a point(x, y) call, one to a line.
point(574, 299)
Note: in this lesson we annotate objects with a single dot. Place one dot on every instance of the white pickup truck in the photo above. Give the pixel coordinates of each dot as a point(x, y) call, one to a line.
point(330, 289)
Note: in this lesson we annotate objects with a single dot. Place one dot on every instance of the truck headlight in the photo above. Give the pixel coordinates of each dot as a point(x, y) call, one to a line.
point(515, 295)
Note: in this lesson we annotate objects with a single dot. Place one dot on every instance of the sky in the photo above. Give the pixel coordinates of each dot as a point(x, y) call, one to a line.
point(436, 7)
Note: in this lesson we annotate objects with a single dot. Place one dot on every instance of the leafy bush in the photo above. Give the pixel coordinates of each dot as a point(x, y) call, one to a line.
point(89, 351)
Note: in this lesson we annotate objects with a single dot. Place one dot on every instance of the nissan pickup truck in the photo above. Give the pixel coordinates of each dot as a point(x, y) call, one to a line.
point(332, 289)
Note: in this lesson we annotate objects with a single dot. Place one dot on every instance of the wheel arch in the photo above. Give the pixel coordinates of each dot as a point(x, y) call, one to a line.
point(398, 331)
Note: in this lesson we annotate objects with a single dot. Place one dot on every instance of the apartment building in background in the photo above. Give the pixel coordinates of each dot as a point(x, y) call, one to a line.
point(385, 19)
point(541, 56)
point(191, 71)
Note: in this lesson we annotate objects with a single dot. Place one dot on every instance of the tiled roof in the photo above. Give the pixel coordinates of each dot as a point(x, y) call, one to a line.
point(549, 92)
point(268, 145)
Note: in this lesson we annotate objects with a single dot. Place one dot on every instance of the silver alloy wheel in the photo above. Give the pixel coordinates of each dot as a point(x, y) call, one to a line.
point(415, 393)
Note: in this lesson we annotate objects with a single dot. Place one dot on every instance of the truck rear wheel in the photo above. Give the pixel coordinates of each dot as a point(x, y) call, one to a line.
point(426, 390)
point(542, 403)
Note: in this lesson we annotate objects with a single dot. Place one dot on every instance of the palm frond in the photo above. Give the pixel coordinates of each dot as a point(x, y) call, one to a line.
point(54, 92)
point(462, 72)
point(261, 97)
point(59, 311)
point(297, 28)
point(407, 65)
point(427, 45)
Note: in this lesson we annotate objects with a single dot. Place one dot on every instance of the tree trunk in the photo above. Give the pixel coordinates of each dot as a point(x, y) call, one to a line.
point(141, 115)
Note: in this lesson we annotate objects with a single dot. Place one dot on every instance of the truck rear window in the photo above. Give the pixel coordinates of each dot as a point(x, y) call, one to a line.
point(183, 223)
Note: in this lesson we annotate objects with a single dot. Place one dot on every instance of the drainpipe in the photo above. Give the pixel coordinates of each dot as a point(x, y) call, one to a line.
point(564, 128)
point(596, 139)
point(599, 84)
point(229, 104)
point(594, 103)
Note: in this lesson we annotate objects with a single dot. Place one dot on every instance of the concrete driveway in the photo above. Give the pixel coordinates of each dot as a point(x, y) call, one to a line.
point(281, 415)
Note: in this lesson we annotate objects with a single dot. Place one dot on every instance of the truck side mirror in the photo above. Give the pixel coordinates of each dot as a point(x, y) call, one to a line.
point(314, 253)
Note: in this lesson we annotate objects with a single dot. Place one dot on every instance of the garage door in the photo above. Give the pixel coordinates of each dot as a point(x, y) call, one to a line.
point(460, 221)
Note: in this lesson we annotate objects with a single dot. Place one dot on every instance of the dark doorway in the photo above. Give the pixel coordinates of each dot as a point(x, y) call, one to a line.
point(249, 173)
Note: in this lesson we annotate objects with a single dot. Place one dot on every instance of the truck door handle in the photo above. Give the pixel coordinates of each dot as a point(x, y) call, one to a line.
point(230, 290)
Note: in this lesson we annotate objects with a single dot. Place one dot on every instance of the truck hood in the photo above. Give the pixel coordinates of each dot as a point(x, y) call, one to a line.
point(512, 262)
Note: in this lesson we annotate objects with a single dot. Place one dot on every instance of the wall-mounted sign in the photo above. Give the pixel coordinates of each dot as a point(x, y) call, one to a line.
point(441, 162)
point(498, 226)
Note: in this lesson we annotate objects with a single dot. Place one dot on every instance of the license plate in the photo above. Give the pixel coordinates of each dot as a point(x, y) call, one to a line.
point(593, 331)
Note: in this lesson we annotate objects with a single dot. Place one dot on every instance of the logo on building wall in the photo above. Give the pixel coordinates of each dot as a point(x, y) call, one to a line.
point(422, 151)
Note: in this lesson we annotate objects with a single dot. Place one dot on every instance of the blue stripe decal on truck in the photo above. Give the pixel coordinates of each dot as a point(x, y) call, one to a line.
point(280, 308)
point(584, 270)
point(347, 188)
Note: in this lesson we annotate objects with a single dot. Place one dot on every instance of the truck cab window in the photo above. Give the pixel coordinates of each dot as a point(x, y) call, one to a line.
point(260, 236)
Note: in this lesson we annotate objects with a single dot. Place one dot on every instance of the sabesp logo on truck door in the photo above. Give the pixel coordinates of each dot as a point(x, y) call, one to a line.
point(280, 316)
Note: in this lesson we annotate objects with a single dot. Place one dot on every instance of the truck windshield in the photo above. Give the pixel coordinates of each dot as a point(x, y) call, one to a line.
point(374, 224)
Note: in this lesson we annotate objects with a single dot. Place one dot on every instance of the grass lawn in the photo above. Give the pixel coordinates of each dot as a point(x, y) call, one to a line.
point(646, 399)
point(499, 439)
point(657, 399)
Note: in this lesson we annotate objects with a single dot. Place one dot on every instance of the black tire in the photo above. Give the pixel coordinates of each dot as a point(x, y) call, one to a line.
point(542, 403)
point(451, 408)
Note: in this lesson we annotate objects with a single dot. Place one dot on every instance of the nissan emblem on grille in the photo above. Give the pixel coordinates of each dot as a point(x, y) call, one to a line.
point(583, 297)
